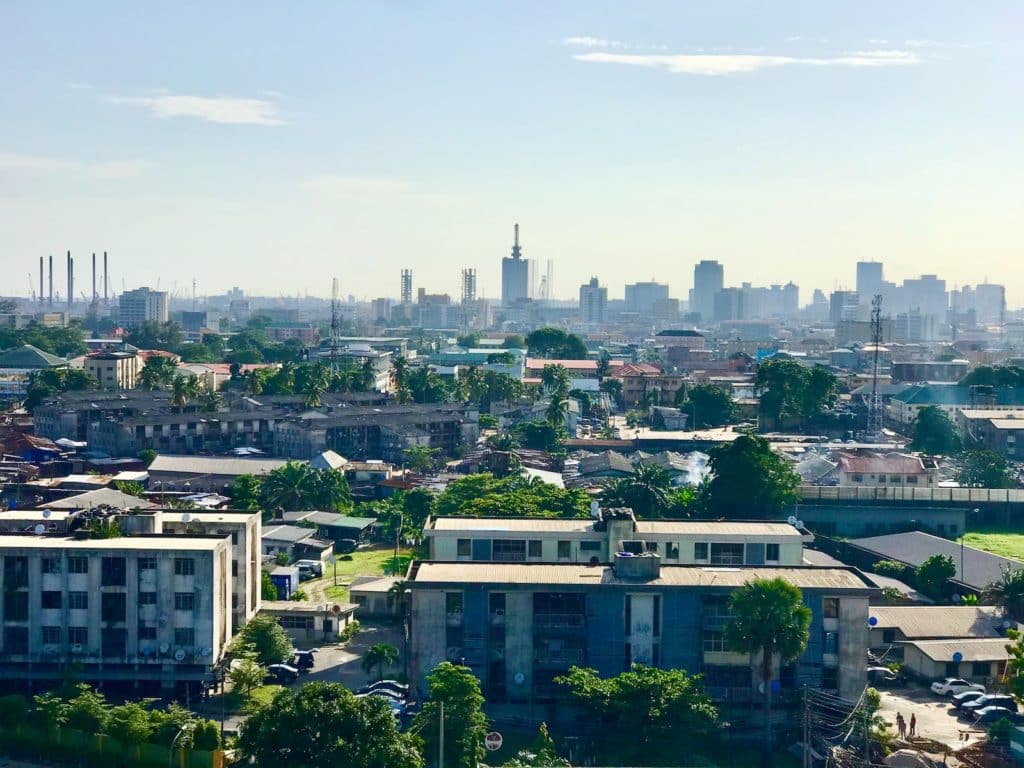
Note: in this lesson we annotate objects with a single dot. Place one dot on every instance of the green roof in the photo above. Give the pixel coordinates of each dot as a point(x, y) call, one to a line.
point(27, 356)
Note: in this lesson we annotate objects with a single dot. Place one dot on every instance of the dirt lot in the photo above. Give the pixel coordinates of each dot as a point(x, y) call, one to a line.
point(936, 718)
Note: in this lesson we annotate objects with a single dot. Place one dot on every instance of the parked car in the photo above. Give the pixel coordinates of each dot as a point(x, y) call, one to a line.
point(397, 707)
point(989, 715)
point(883, 676)
point(312, 566)
point(304, 659)
point(953, 685)
point(346, 546)
point(390, 685)
point(962, 698)
point(282, 674)
point(989, 700)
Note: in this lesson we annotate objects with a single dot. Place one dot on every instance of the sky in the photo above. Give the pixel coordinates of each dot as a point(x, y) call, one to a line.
point(276, 146)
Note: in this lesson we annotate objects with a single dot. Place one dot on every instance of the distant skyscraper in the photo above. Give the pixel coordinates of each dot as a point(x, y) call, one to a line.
point(869, 280)
point(729, 305)
point(843, 306)
point(516, 275)
point(468, 286)
point(642, 297)
point(593, 301)
point(142, 304)
point(406, 293)
point(708, 280)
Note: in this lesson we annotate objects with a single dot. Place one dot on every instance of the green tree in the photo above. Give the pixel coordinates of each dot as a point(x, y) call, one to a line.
point(984, 469)
point(324, 724)
point(378, 656)
point(771, 623)
point(425, 386)
point(749, 480)
point(485, 495)
point(646, 491)
point(514, 341)
point(184, 389)
point(158, 371)
point(994, 376)
point(49, 711)
point(130, 724)
point(245, 493)
point(894, 570)
point(268, 591)
point(1007, 591)
point(555, 343)
point(1015, 664)
point(147, 456)
point(934, 433)
point(88, 711)
point(130, 487)
point(665, 713)
point(52, 381)
point(541, 754)
point(263, 637)
point(421, 458)
point(206, 736)
point(539, 435)
point(613, 388)
point(707, 406)
point(469, 340)
point(788, 389)
point(152, 334)
point(465, 725)
point(246, 675)
point(297, 486)
point(554, 377)
point(933, 576)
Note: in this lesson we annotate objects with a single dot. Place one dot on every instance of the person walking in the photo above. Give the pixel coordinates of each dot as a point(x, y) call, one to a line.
point(913, 725)
point(901, 725)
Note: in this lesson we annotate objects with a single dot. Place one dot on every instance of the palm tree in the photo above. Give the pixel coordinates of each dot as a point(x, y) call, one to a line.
point(211, 401)
point(552, 376)
point(288, 488)
point(379, 655)
point(399, 595)
point(367, 376)
point(1007, 591)
point(400, 378)
point(769, 619)
point(183, 389)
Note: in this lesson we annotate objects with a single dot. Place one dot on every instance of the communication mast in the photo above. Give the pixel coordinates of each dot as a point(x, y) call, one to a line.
point(335, 327)
point(875, 411)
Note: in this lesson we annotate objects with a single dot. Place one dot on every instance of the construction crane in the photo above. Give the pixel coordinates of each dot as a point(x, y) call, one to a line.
point(875, 413)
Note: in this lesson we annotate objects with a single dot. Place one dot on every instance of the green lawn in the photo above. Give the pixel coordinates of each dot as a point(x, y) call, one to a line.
point(338, 593)
point(234, 703)
point(368, 562)
point(998, 541)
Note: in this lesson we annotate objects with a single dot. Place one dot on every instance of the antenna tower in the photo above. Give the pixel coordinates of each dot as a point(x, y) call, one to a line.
point(875, 412)
point(335, 326)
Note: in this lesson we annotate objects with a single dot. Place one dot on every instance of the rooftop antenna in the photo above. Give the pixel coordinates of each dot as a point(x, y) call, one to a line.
point(875, 405)
point(106, 295)
point(50, 296)
point(193, 294)
point(335, 326)
point(71, 280)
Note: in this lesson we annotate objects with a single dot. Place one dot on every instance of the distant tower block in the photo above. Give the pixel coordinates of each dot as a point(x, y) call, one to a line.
point(406, 286)
point(468, 286)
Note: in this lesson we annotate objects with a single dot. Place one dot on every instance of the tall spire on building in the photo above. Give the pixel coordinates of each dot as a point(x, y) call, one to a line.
point(517, 252)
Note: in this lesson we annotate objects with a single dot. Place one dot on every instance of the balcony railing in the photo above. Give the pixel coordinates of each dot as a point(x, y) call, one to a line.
point(558, 620)
point(563, 658)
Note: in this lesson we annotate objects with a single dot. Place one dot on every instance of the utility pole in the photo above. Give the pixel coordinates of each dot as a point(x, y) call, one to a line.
point(807, 733)
point(335, 325)
point(440, 738)
point(398, 533)
point(875, 415)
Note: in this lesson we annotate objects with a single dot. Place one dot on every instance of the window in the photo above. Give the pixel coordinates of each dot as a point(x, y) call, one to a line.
point(671, 550)
point(147, 563)
point(830, 607)
point(713, 641)
point(881, 478)
point(952, 668)
point(147, 633)
point(147, 598)
point(496, 603)
point(727, 554)
point(112, 572)
point(51, 635)
point(51, 599)
point(15, 572)
point(15, 640)
point(652, 546)
point(535, 548)
point(78, 601)
point(463, 548)
point(114, 641)
point(888, 635)
point(830, 677)
point(912, 480)
point(771, 553)
point(590, 546)
point(112, 606)
point(15, 606)
point(234, 567)
point(981, 669)
point(453, 602)
point(184, 636)
point(509, 550)
point(858, 478)
point(564, 550)
point(296, 622)
point(51, 565)
point(184, 566)
point(700, 552)
point(184, 601)
point(78, 565)
point(831, 643)
point(78, 635)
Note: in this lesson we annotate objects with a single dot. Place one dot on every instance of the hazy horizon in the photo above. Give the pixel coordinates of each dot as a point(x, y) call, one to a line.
point(273, 150)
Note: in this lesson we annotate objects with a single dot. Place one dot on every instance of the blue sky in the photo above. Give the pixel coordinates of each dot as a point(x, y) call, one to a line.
point(242, 144)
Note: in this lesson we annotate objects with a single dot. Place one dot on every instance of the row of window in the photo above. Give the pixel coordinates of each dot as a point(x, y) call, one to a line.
point(113, 604)
point(113, 641)
point(517, 550)
point(113, 570)
point(910, 480)
point(185, 636)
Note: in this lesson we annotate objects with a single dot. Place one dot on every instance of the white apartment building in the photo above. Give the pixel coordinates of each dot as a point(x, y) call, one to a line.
point(142, 304)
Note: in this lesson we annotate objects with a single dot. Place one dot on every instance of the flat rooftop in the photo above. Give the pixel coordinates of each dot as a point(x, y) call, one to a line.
point(589, 525)
point(670, 576)
point(170, 542)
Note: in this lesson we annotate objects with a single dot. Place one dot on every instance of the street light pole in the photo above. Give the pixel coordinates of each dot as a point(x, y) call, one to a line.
point(440, 738)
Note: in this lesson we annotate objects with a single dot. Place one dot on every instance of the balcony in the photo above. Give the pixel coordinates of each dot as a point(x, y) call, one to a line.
point(453, 619)
point(560, 659)
point(558, 620)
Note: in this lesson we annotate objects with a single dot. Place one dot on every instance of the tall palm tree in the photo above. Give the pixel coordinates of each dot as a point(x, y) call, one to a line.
point(379, 655)
point(400, 378)
point(551, 376)
point(211, 401)
point(769, 620)
point(399, 594)
point(183, 389)
point(1007, 591)
point(367, 376)
point(288, 488)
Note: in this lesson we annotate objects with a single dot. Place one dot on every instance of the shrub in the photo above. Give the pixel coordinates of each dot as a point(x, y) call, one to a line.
point(13, 709)
point(349, 631)
point(206, 736)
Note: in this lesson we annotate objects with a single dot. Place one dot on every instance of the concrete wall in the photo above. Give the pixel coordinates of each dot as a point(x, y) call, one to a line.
point(853, 640)
point(428, 635)
point(519, 644)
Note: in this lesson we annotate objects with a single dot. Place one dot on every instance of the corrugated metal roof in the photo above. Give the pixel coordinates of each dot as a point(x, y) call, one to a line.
point(925, 622)
point(715, 528)
point(513, 524)
point(101, 497)
point(670, 576)
point(989, 649)
point(133, 543)
point(214, 465)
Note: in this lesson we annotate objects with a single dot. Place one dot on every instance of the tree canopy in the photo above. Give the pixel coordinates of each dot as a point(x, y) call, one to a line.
point(48, 382)
point(644, 716)
point(707, 406)
point(934, 433)
point(788, 389)
point(933, 576)
point(465, 724)
point(749, 480)
point(1007, 591)
point(647, 491)
point(296, 486)
point(554, 343)
point(324, 724)
point(263, 638)
point(984, 469)
point(65, 341)
point(485, 495)
point(995, 376)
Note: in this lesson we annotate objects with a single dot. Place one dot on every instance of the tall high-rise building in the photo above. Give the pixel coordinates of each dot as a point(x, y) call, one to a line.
point(843, 306)
point(593, 301)
point(642, 297)
point(708, 280)
point(406, 292)
point(870, 280)
point(468, 286)
point(516, 275)
point(141, 305)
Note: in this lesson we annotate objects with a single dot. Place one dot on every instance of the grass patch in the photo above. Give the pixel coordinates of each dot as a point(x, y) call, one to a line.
point(262, 696)
point(233, 703)
point(338, 593)
point(368, 562)
point(998, 541)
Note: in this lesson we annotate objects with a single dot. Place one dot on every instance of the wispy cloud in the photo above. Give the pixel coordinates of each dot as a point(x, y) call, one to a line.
point(215, 109)
point(586, 41)
point(933, 44)
point(120, 169)
point(731, 64)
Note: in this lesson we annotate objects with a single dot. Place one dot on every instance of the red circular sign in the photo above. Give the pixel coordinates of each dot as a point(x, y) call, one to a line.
point(493, 741)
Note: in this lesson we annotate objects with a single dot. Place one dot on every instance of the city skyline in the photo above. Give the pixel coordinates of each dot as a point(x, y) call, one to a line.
point(629, 145)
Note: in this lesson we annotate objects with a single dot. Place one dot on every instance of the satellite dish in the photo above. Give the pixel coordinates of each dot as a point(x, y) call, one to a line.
point(179, 655)
point(791, 520)
point(958, 657)
point(520, 678)
point(40, 529)
point(46, 514)
point(872, 621)
point(799, 524)
point(186, 517)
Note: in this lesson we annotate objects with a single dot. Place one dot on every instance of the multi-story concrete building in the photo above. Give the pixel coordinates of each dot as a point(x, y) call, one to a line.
point(708, 280)
point(147, 610)
point(642, 297)
point(114, 369)
point(517, 275)
point(593, 302)
point(520, 625)
point(688, 542)
point(142, 305)
point(999, 431)
point(645, 379)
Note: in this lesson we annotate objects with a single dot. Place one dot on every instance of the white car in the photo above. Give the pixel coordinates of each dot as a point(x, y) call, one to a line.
point(954, 685)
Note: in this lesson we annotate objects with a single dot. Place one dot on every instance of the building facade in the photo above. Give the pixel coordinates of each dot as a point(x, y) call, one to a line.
point(114, 370)
point(593, 302)
point(142, 305)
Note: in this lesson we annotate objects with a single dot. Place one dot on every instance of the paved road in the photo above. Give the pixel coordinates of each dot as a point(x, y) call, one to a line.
point(936, 718)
